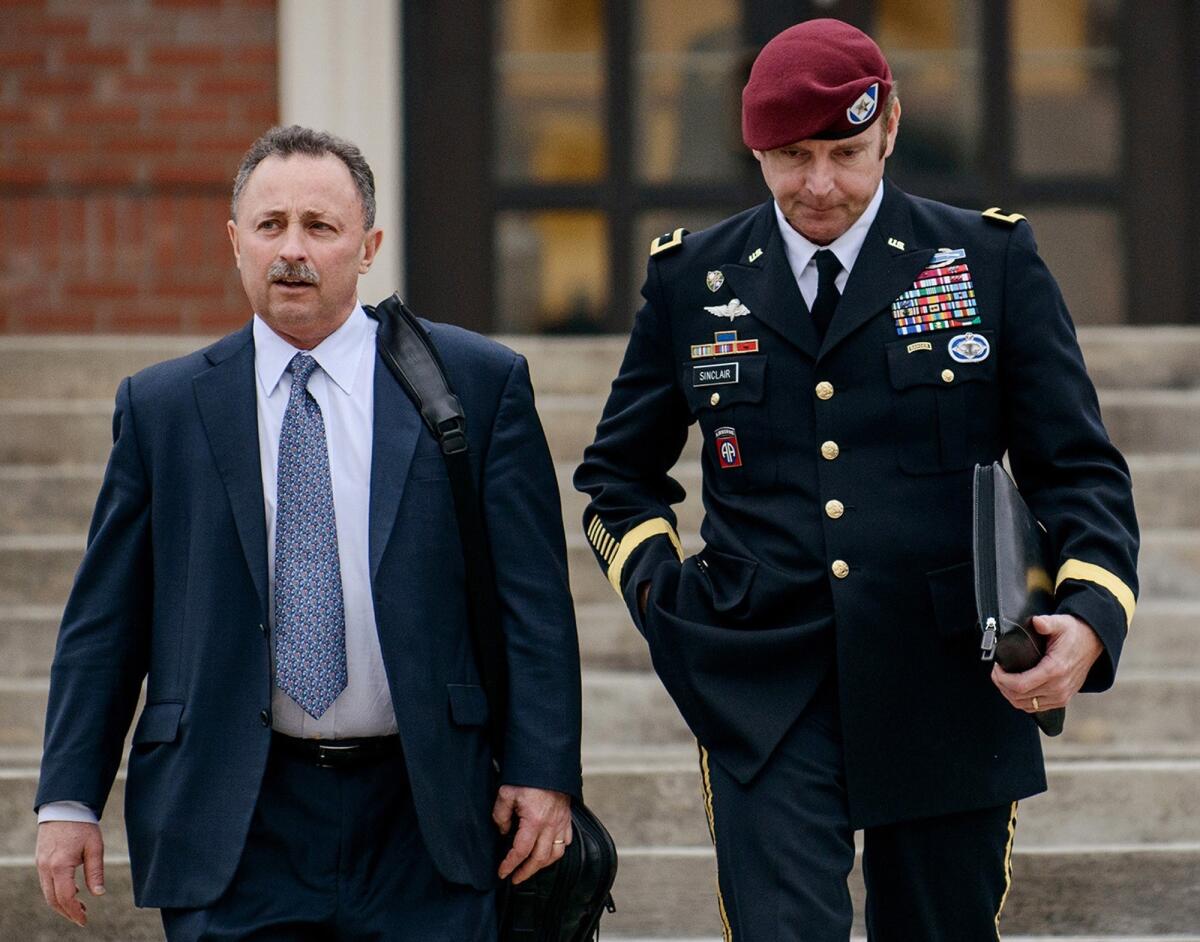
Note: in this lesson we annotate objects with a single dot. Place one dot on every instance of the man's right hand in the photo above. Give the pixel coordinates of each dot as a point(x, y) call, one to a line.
point(61, 847)
point(643, 597)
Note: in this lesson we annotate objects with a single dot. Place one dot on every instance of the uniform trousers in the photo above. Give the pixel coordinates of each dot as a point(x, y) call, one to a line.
point(785, 848)
point(335, 855)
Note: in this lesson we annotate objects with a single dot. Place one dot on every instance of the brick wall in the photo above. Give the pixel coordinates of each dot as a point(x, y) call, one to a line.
point(121, 125)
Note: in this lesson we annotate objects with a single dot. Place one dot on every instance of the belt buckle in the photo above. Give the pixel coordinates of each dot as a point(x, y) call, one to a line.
point(328, 755)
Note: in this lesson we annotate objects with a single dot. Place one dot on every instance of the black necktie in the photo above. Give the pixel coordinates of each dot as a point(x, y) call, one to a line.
point(827, 293)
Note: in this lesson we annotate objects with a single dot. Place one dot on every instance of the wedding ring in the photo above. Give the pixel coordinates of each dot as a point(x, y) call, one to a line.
point(560, 842)
point(1036, 708)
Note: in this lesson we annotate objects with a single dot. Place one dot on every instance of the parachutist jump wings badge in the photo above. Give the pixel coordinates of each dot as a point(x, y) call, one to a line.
point(732, 309)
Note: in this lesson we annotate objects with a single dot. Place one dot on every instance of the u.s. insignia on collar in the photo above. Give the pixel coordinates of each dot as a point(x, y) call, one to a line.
point(896, 243)
point(861, 111)
point(754, 256)
point(968, 348)
point(714, 280)
point(730, 309)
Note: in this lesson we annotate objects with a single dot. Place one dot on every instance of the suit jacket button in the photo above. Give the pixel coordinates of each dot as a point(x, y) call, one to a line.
point(841, 569)
point(824, 390)
point(834, 509)
point(265, 717)
point(714, 399)
point(947, 376)
point(830, 450)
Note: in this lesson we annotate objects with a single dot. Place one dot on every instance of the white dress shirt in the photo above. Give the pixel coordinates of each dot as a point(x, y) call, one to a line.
point(344, 387)
point(801, 254)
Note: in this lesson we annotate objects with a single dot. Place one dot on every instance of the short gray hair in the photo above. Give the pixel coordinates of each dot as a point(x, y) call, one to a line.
point(284, 142)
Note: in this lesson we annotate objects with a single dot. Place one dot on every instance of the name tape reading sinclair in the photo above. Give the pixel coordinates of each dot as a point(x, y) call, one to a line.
point(715, 374)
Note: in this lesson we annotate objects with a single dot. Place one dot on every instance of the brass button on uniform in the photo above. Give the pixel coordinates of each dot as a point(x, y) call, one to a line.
point(840, 568)
point(830, 450)
point(947, 376)
point(714, 398)
point(824, 390)
point(834, 509)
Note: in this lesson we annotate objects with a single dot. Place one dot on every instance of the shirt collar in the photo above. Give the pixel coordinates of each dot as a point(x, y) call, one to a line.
point(800, 251)
point(338, 355)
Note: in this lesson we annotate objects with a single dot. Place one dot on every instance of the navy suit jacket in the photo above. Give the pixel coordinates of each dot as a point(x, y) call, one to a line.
point(173, 590)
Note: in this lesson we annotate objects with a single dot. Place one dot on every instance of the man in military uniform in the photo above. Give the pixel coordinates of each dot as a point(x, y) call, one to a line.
point(850, 353)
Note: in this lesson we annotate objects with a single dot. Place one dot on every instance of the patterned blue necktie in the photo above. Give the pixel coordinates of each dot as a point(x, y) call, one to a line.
point(310, 620)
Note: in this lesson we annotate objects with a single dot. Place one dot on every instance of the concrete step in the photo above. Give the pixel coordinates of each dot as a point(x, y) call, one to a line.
point(39, 570)
point(657, 802)
point(58, 498)
point(1147, 714)
point(1166, 634)
point(1169, 566)
point(78, 431)
point(90, 366)
point(1152, 893)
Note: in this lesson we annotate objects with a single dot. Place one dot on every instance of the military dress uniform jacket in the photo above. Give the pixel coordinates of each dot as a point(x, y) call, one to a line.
point(837, 487)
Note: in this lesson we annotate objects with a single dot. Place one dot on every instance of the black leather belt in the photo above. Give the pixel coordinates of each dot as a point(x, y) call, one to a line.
point(337, 753)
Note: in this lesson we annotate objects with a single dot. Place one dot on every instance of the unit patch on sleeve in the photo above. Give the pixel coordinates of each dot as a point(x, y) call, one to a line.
point(943, 295)
point(726, 343)
point(729, 455)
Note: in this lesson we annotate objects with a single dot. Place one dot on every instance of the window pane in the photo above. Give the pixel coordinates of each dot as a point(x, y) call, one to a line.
point(1083, 249)
point(549, 91)
point(933, 50)
point(551, 271)
point(689, 69)
point(1067, 105)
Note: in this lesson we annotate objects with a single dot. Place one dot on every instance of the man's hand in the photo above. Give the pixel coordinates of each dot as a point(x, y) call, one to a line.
point(543, 828)
point(61, 847)
point(1072, 649)
point(643, 598)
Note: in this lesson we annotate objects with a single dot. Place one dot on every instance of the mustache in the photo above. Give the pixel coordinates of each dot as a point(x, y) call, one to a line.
point(286, 271)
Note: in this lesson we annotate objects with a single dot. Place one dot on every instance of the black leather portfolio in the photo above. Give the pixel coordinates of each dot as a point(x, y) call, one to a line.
point(1012, 579)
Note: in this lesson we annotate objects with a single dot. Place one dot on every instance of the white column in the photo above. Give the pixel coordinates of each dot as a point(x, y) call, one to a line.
point(339, 71)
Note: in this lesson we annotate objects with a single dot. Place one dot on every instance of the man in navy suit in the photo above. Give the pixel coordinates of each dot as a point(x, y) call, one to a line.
point(275, 553)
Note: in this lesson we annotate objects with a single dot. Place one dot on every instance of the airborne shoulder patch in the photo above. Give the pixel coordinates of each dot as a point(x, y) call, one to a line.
point(996, 214)
point(668, 241)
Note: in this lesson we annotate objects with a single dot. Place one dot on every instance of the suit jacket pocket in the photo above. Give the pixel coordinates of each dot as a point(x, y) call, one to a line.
point(159, 723)
point(468, 704)
point(727, 395)
point(728, 578)
point(938, 403)
point(953, 592)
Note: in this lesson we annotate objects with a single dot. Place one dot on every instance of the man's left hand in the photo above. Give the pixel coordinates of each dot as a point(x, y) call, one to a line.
point(1071, 650)
point(543, 828)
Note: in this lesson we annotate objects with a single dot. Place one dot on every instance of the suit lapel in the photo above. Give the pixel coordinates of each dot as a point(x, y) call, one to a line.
point(397, 428)
point(883, 269)
point(228, 408)
point(767, 286)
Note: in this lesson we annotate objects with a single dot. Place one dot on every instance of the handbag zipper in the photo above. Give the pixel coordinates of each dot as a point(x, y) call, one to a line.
point(986, 526)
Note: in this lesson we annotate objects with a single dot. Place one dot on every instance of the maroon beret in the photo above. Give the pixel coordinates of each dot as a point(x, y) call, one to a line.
point(817, 79)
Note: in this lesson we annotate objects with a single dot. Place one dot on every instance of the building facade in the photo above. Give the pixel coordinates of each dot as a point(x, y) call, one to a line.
point(528, 150)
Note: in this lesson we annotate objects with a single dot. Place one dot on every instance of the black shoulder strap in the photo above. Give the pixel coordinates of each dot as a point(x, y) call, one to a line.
point(411, 357)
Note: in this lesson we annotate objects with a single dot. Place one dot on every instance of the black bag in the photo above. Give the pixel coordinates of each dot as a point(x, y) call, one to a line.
point(564, 901)
point(1012, 580)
